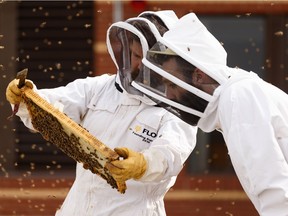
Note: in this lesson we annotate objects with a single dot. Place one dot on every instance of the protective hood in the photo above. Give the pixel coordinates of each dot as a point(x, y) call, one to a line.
point(121, 38)
point(189, 45)
point(191, 40)
point(168, 17)
point(128, 42)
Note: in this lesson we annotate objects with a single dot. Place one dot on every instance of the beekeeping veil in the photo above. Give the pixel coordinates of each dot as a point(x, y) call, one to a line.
point(192, 46)
point(141, 30)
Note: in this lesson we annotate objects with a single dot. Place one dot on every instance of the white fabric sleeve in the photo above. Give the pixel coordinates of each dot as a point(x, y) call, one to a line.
point(156, 165)
point(168, 153)
point(73, 97)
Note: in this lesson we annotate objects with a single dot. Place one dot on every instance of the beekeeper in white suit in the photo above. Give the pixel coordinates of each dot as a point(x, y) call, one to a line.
point(153, 142)
point(196, 85)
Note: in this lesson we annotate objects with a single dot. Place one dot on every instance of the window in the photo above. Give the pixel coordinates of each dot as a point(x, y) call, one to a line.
point(55, 44)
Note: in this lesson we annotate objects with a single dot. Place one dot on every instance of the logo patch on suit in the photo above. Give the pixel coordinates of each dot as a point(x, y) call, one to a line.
point(146, 135)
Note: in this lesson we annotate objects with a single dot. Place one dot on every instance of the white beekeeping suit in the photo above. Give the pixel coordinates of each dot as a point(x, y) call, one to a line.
point(251, 113)
point(122, 119)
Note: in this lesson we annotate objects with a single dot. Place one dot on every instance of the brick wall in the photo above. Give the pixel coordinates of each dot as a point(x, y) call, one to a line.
point(199, 195)
point(104, 18)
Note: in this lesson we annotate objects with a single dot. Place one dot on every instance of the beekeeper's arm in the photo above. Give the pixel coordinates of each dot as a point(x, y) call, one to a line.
point(249, 125)
point(72, 99)
point(165, 157)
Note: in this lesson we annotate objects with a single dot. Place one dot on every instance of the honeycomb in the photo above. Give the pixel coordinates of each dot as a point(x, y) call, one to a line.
point(71, 138)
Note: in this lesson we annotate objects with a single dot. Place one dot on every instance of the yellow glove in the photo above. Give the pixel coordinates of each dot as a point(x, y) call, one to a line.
point(132, 166)
point(13, 93)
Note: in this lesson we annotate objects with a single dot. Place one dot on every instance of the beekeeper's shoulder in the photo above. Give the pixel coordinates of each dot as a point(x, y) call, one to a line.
point(99, 82)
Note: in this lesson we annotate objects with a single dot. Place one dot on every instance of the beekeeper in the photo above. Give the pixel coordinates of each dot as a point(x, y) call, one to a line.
point(154, 143)
point(196, 85)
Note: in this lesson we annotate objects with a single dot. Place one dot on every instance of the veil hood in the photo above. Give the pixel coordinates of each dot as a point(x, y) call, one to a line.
point(117, 39)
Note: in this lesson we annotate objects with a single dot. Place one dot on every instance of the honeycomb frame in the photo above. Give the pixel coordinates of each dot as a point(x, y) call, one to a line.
point(70, 137)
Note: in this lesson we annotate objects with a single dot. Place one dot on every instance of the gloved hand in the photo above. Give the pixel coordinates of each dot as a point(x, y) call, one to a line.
point(13, 93)
point(133, 165)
